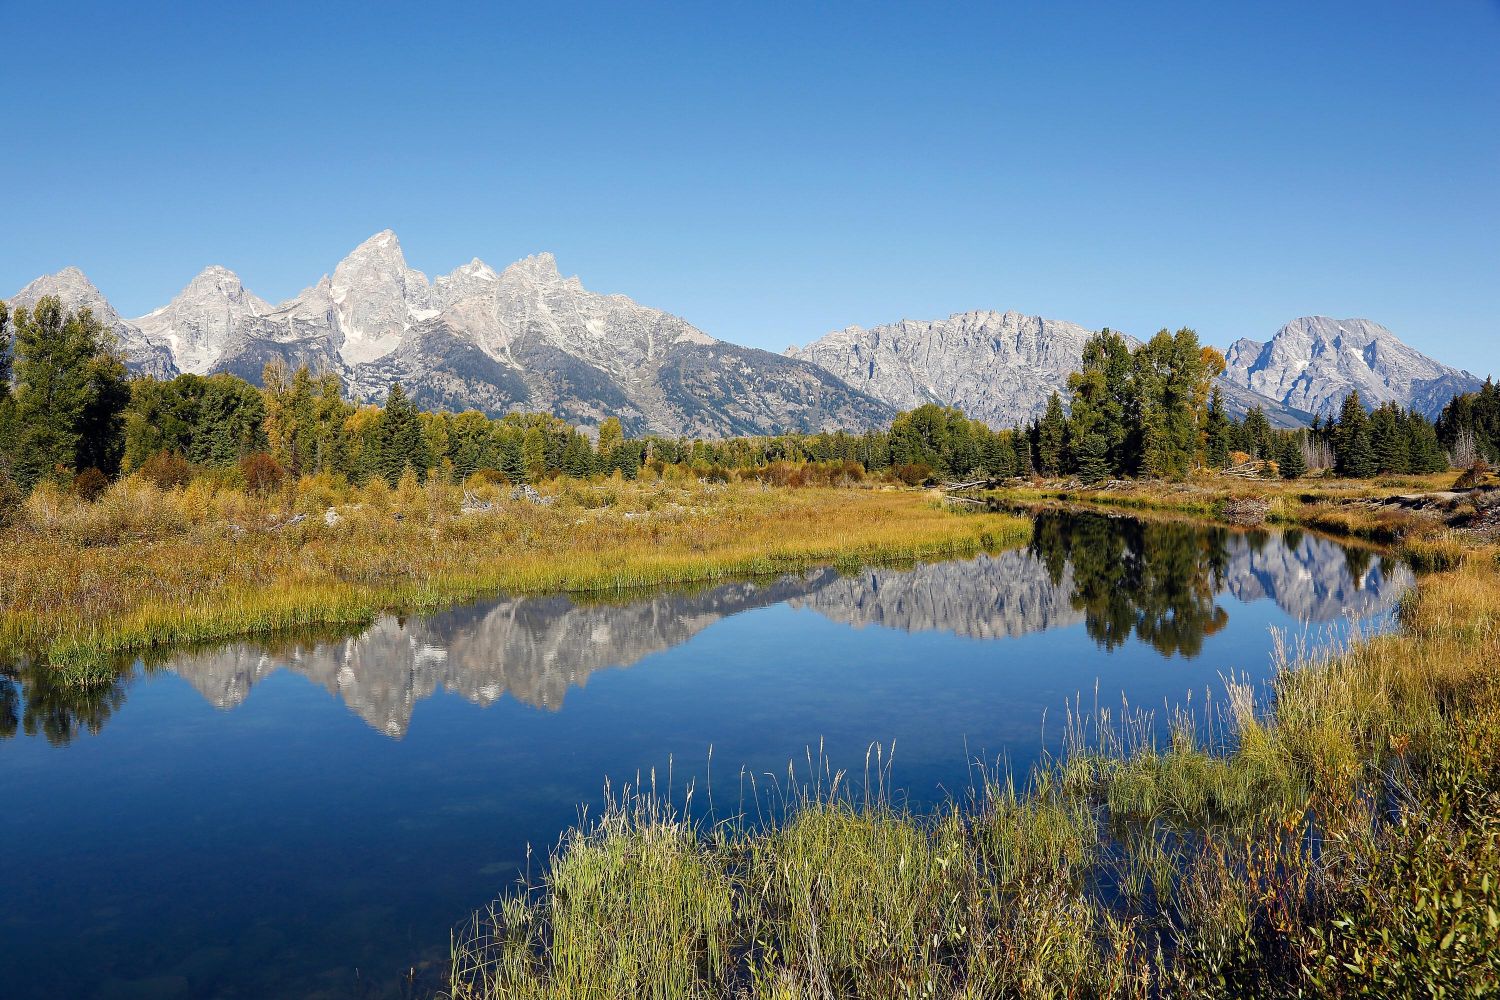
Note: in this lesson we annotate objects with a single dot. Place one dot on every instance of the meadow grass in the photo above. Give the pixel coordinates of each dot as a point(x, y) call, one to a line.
point(1339, 836)
point(142, 567)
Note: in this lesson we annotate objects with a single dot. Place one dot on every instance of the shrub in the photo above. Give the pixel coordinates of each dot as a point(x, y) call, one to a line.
point(89, 483)
point(913, 473)
point(263, 474)
point(165, 470)
point(1472, 476)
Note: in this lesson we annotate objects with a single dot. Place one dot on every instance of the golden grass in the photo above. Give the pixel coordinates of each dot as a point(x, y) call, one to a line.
point(143, 568)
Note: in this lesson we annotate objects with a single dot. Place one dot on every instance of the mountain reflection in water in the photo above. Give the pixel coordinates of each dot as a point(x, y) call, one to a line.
point(1119, 577)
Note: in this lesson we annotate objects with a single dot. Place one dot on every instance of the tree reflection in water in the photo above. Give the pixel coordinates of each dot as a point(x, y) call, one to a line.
point(1153, 579)
point(41, 702)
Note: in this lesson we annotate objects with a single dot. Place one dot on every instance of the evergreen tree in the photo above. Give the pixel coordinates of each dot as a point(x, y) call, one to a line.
point(1092, 456)
point(1423, 446)
point(400, 442)
point(1258, 434)
point(1052, 438)
point(70, 395)
point(7, 408)
point(1353, 456)
point(1389, 440)
point(533, 454)
point(1020, 441)
point(5, 352)
point(1291, 461)
point(1217, 430)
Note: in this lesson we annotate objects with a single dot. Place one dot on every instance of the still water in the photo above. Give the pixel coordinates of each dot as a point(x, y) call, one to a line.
point(310, 817)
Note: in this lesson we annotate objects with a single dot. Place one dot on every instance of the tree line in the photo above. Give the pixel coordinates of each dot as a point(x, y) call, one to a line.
point(69, 411)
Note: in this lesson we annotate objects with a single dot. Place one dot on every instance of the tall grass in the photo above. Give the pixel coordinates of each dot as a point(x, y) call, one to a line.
point(1337, 836)
point(143, 567)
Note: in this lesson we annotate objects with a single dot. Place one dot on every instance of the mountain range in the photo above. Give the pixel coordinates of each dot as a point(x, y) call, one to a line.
point(527, 338)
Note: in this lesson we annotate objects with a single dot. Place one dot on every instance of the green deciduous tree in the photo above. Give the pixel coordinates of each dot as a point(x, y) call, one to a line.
point(71, 392)
point(1102, 400)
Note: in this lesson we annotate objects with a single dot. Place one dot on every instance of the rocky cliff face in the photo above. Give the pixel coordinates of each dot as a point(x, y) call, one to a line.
point(997, 367)
point(1314, 362)
point(204, 318)
point(522, 338)
point(1000, 368)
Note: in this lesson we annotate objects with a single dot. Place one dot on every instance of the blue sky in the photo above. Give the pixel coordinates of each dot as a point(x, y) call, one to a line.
point(772, 173)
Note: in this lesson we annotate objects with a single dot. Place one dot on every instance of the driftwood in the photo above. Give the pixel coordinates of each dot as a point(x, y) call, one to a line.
point(978, 484)
point(1248, 512)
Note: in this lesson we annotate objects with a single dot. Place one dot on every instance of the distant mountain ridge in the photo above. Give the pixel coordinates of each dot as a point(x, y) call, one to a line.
point(527, 338)
point(524, 338)
point(1314, 362)
point(1002, 367)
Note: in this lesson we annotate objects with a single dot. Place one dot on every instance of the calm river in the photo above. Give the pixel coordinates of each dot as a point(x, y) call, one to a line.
point(310, 817)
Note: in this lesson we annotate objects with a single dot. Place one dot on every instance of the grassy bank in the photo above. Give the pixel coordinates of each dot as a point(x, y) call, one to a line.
point(142, 567)
point(1342, 841)
point(1347, 507)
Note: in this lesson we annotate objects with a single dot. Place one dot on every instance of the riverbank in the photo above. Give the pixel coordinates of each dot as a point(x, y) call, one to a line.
point(1342, 839)
point(83, 582)
point(1373, 510)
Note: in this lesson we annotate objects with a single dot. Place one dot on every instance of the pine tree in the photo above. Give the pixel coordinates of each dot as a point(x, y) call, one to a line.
point(1052, 438)
point(1258, 434)
point(1353, 457)
point(400, 444)
point(5, 352)
point(1020, 441)
point(1092, 456)
point(1217, 430)
point(1388, 440)
point(1101, 398)
point(1291, 461)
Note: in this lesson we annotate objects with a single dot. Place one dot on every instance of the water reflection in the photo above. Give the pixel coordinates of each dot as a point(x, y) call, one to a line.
point(1159, 582)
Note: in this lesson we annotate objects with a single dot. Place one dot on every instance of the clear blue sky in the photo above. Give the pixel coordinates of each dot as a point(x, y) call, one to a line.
point(772, 173)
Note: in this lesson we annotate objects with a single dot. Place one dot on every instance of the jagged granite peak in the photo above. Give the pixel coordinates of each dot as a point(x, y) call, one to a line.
point(377, 298)
point(998, 367)
point(205, 318)
point(144, 354)
point(1314, 362)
